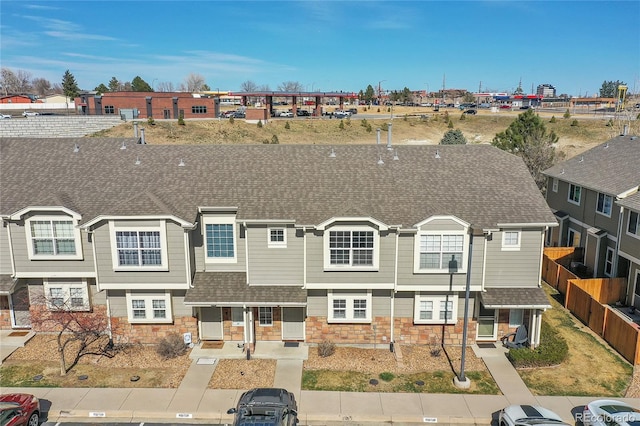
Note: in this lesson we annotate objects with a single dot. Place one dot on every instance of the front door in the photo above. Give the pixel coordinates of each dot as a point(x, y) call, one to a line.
point(20, 307)
point(211, 323)
point(167, 114)
point(293, 323)
point(486, 324)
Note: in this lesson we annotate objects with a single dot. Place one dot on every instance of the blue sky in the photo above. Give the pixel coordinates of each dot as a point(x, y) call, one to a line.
point(328, 45)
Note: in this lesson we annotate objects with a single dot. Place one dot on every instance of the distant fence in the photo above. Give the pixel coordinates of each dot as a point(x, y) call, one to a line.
point(588, 300)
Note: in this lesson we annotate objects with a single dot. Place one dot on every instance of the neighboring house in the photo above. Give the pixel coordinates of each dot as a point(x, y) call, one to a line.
point(56, 99)
point(629, 247)
point(592, 194)
point(354, 244)
point(16, 99)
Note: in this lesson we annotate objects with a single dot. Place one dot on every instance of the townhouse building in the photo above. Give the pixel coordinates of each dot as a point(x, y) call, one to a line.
point(594, 197)
point(353, 244)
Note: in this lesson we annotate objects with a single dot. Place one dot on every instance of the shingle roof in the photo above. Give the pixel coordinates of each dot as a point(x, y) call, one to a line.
point(6, 284)
point(611, 168)
point(478, 183)
point(631, 202)
point(532, 297)
point(222, 288)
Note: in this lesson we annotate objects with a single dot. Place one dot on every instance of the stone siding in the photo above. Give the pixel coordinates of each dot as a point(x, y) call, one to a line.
point(71, 126)
point(152, 333)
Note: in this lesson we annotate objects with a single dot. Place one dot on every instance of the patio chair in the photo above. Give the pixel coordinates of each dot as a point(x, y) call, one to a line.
point(517, 339)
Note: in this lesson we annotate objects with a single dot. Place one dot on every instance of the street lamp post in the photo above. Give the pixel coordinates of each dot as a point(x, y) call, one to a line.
point(380, 91)
point(461, 381)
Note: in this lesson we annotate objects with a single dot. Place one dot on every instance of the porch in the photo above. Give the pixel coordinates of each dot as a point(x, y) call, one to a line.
point(262, 350)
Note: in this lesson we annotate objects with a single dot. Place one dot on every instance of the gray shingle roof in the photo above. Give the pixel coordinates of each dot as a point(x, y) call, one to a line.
point(222, 288)
point(532, 297)
point(6, 283)
point(631, 202)
point(612, 167)
point(478, 183)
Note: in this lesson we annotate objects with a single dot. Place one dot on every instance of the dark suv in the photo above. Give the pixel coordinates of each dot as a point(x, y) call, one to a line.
point(266, 407)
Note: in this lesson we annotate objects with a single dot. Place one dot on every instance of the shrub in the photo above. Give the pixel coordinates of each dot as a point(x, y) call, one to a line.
point(231, 120)
point(610, 122)
point(326, 348)
point(181, 119)
point(266, 141)
point(574, 123)
point(463, 117)
point(567, 114)
point(151, 121)
point(259, 124)
point(274, 140)
point(450, 125)
point(341, 125)
point(386, 376)
point(453, 137)
point(553, 350)
point(171, 346)
point(364, 122)
point(553, 119)
point(287, 125)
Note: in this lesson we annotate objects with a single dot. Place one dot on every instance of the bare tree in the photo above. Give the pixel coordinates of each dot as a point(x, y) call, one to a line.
point(165, 86)
point(290, 86)
point(15, 82)
point(264, 88)
point(193, 83)
point(248, 86)
point(79, 331)
point(41, 86)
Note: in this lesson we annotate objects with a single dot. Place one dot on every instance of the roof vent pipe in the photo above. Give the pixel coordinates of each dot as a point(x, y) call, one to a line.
point(389, 136)
point(135, 129)
point(625, 130)
point(142, 140)
point(378, 136)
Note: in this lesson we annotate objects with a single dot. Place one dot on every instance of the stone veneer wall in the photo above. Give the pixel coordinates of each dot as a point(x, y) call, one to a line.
point(230, 331)
point(152, 333)
point(5, 319)
point(272, 332)
point(406, 332)
point(71, 126)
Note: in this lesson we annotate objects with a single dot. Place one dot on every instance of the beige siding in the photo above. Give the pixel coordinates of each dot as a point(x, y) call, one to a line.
point(442, 225)
point(404, 302)
point(199, 251)
point(274, 265)
point(118, 303)
point(24, 266)
point(381, 303)
point(176, 273)
point(519, 268)
point(628, 243)
point(5, 253)
point(317, 303)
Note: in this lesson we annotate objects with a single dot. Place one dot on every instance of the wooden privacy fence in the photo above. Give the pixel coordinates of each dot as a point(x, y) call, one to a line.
point(588, 301)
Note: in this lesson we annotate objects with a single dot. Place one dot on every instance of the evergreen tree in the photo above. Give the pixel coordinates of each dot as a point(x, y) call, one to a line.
point(139, 85)
point(69, 86)
point(453, 137)
point(114, 85)
point(101, 89)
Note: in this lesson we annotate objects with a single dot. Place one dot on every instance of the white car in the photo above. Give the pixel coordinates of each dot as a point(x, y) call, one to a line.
point(341, 114)
point(5, 116)
point(608, 412)
point(286, 114)
point(529, 415)
point(30, 114)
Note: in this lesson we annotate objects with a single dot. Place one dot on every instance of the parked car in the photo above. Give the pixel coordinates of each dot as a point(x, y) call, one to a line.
point(470, 112)
point(505, 106)
point(239, 114)
point(286, 114)
point(303, 113)
point(266, 406)
point(30, 114)
point(528, 415)
point(608, 412)
point(227, 114)
point(353, 110)
point(18, 409)
point(5, 116)
point(341, 114)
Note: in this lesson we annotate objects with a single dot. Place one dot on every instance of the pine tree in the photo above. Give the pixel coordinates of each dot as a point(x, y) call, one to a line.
point(69, 85)
point(453, 137)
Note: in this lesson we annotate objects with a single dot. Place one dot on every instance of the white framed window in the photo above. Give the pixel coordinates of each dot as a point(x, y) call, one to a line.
point(435, 251)
point(265, 316)
point(511, 240)
point(353, 248)
point(349, 308)
point(554, 185)
point(573, 238)
point(139, 248)
point(53, 238)
point(237, 317)
point(276, 237)
point(574, 194)
point(608, 262)
point(435, 309)
point(604, 204)
point(220, 235)
point(633, 227)
point(516, 317)
point(144, 307)
point(66, 295)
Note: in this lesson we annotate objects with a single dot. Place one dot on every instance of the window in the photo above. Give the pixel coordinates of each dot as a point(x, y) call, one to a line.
point(604, 204)
point(554, 185)
point(574, 194)
point(277, 237)
point(199, 109)
point(515, 317)
point(265, 316)
point(220, 237)
point(138, 248)
point(433, 309)
point(435, 251)
point(67, 296)
point(109, 109)
point(149, 307)
point(634, 223)
point(237, 317)
point(353, 248)
point(53, 238)
point(573, 238)
point(511, 240)
point(608, 262)
point(349, 307)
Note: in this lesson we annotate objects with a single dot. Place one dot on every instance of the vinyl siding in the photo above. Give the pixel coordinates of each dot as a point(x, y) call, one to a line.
point(26, 267)
point(5, 253)
point(629, 243)
point(118, 303)
point(405, 302)
point(381, 303)
point(176, 273)
point(317, 303)
point(519, 268)
point(274, 265)
point(199, 251)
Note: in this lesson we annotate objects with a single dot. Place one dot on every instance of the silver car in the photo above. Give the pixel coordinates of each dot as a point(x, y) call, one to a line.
point(609, 412)
point(529, 415)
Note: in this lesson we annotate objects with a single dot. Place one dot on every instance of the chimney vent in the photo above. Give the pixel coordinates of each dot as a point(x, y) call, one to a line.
point(135, 129)
point(143, 141)
point(124, 146)
point(389, 126)
point(395, 155)
point(138, 161)
point(181, 163)
point(380, 160)
point(378, 136)
point(76, 148)
point(437, 154)
point(332, 154)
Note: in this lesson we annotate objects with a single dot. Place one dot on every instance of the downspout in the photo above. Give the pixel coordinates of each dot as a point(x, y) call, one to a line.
point(187, 258)
point(614, 271)
point(393, 293)
point(304, 257)
point(246, 250)
point(95, 266)
point(484, 260)
point(13, 262)
point(541, 256)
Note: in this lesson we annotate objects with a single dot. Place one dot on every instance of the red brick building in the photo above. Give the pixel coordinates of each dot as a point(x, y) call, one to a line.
point(159, 105)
